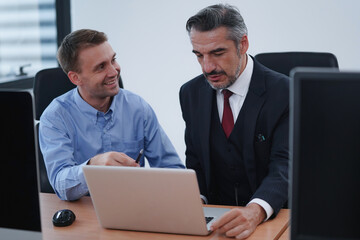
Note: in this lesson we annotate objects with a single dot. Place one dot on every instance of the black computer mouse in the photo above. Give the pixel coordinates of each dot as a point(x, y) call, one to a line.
point(64, 217)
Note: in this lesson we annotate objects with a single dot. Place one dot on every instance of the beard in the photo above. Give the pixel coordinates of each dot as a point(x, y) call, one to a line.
point(230, 78)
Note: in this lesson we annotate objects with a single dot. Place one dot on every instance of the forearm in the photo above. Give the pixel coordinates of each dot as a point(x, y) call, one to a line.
point(274, 188)
point(274, 181)
point(70, 183)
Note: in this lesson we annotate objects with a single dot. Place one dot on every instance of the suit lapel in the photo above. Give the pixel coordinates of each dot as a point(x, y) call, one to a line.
point(205, 95)
point(253, 103)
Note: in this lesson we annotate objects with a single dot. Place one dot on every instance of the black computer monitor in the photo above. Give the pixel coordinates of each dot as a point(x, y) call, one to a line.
point(324, 154)
point(19, 199)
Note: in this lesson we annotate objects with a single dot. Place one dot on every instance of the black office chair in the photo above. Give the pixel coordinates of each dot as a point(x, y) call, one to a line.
point(49, 84)
point(45, 185)
point(283, 62)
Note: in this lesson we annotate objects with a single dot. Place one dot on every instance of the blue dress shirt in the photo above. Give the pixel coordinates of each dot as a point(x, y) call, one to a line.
point(71, 132)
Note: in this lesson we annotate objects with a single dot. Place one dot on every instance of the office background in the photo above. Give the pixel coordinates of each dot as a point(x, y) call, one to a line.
point(154, 50)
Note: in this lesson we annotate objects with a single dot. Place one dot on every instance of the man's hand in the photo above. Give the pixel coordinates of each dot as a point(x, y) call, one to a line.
point(240, 222)
point(113, 159)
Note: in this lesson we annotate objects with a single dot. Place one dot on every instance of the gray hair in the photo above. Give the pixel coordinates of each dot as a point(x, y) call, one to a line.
point(220, 15)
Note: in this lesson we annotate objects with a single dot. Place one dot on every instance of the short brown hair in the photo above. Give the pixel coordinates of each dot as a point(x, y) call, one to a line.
point(71, 45)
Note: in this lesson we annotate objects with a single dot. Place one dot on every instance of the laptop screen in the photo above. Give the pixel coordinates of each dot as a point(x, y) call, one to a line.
point(19, 201)
point(325, 159)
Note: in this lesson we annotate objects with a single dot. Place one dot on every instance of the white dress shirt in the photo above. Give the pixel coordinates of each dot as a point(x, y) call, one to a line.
point(240, 88)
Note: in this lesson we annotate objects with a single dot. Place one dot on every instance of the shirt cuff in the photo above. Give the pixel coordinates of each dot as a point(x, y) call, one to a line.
point(83, 189)
point(267, 208)
point(204, 199)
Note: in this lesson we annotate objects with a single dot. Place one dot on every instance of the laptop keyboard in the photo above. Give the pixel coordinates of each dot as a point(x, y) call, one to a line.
point(208, 219)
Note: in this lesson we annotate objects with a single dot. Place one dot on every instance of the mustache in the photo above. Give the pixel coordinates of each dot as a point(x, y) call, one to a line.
point(214, 72)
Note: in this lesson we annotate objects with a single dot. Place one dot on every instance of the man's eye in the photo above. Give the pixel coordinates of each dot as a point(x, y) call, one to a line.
point(218, 54)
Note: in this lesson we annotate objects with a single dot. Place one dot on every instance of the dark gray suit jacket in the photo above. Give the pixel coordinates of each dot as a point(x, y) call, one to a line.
point(265, 137)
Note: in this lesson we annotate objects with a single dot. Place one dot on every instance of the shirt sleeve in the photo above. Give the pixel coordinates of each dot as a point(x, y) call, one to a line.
point(267, 208)
point(65, 176)
point(159, 151)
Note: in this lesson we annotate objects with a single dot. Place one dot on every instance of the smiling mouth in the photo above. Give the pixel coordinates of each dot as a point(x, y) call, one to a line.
point(110, 82)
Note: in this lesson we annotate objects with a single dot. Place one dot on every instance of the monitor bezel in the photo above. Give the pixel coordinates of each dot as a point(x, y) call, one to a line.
point(298, 76)
point(27, 95)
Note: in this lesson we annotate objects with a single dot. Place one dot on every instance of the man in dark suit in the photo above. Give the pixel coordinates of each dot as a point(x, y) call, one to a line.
point(237, 123)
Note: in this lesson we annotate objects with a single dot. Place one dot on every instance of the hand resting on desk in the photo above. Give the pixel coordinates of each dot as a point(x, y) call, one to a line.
point(113, 159)
point(240, 222)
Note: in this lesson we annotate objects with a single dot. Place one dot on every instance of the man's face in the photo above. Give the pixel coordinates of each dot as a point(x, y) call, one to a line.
point(99, 76)
point(220, 59)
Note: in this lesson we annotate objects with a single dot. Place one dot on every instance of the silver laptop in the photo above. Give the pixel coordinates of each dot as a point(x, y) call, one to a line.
point(149, 199)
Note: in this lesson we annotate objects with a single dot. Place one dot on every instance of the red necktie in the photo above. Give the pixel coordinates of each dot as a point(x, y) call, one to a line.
point(227, 119)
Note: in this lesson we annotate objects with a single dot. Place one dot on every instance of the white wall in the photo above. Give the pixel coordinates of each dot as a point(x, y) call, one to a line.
point(154, 51)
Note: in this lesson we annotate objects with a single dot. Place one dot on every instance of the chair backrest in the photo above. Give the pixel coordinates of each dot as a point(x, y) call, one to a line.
point(49, 84)
point(45, 185)
point(283, 62)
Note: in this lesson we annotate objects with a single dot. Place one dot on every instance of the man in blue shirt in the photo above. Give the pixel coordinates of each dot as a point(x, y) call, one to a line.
point(97, 123)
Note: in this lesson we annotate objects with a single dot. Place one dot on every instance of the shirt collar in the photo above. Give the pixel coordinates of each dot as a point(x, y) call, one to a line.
point(241, 85)
point(90, 111)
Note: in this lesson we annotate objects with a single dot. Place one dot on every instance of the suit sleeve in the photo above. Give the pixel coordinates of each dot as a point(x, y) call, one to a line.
point(273, 156)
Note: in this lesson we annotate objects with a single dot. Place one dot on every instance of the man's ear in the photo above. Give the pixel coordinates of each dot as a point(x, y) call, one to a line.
point(74, 78)
point(244, 44)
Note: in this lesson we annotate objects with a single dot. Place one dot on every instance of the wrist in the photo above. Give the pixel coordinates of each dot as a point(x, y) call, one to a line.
point(258, 212)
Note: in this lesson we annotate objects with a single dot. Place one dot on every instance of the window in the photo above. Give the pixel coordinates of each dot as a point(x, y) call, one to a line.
point(28, 37)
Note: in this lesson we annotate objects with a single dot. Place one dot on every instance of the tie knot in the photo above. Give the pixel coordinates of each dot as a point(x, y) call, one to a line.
point(227, 93)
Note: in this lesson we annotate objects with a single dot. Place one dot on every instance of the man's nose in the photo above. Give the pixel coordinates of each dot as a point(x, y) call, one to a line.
point(208, 65)
point(113, 70)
